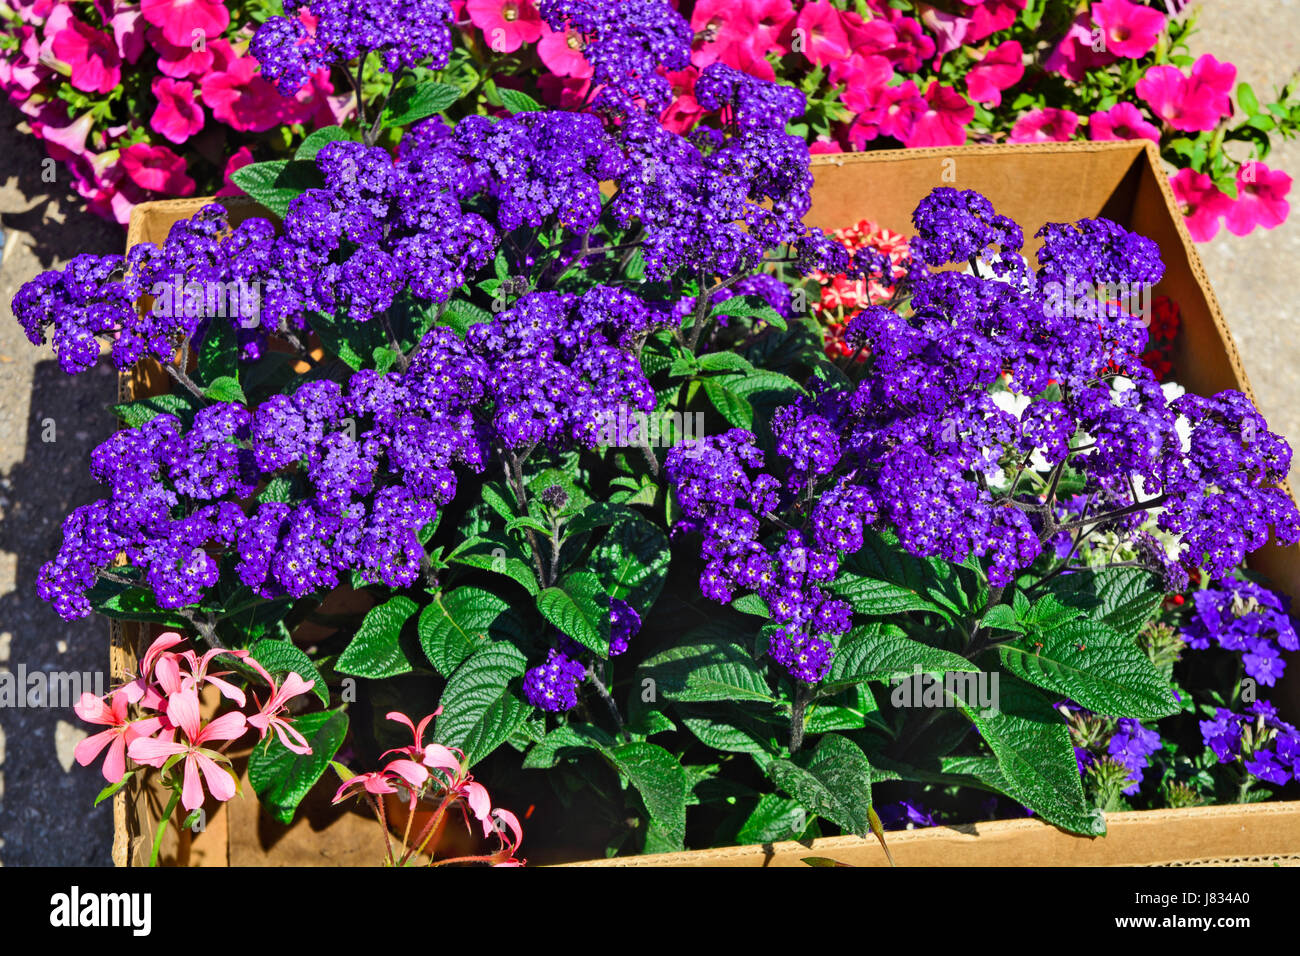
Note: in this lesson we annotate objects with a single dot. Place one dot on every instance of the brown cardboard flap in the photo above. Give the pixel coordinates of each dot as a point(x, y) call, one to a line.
point(1261, 832)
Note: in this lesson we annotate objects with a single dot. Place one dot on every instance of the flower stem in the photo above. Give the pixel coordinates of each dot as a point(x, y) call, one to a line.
point(162, 826)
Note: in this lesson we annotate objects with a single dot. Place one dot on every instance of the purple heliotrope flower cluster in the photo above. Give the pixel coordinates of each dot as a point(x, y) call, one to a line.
point(364, 467)
point(1267, 746)
point(1131, 746)
point(553, 685)
point(1245, 617)
point(404, 33)
point(627, 42)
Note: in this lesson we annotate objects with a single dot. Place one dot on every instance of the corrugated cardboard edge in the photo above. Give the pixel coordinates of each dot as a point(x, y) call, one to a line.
point(1264, 832)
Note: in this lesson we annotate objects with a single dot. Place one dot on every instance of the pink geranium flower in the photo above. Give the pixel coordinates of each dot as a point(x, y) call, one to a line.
point(1121, 121)
point(1129, 29)
point(183, 21)
point(944, 121)
point(1261, 199)
point(179, 115)
point(121, 731)
point(1047, 125)
point(1074, 56)
point(201, 764)
point(819, 33)
point(1202, 203)
point(1001, 68)
point(1194, 103)
point(561, 51)
point(91, 56)
point(157, 169)
point(506, 24)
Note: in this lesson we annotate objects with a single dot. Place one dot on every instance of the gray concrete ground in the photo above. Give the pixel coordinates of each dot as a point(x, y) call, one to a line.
point(45, 802)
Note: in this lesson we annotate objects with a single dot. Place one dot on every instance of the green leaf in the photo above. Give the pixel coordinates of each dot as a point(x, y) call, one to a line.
point(883, 652)
point(883, 579)
point(498, 552)
point(226, 389)
point(735, 409)
point(1246, 99)
point(725, 362)
point(219, 353)
point(460, 315)
point(663, 785)
point(563, 741)
point(715, 670)
point(412, 103)
point(460, 622)
point(128, 603)
point(632, 561)
point(280, 657)
point(518, 102)
point(751, 604)
point(775, 818)
point(279, 488)
point(112, 788)
point(278, 183)
point(598, 514)
point(479, 710)
point(135, 414)
point(579, 607)
point(750, 307)
point(377, 649)
point(280, 777)
point(1032, 744)
point(833, 781)
point(729, 727)
point(1093, 665)
point(1122, 598)
point(318, 139)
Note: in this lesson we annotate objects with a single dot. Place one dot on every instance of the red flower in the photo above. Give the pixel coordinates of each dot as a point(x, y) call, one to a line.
point(157, 169)
point(91, 55)
point(888, 111)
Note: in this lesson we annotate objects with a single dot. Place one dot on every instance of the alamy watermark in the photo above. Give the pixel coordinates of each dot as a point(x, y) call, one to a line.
point(61, 689)
point(633, 428)
point(1088, 300)
point(976, 689)
point(236, 299)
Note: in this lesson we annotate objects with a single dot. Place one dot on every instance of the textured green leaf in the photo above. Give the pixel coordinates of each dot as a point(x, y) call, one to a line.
point(500, 553)
point(219, 353)
point(833, 781)
point(663, 785)
point(632, 561)
point(317, 139)
point(278, 183)
point(135, 414)
point(280, 777)
point(735, 409)
point(775, 818)
point(883, 652)
point(479, 710)
point(377, 649)
point(561, 741)
point(883, 579)
point(1123, 598)
point(460, 622)
point(225, 389)
point(730, 728)
point(412, 103)
point(707, 671)
point(519, 102)
point(579, 607)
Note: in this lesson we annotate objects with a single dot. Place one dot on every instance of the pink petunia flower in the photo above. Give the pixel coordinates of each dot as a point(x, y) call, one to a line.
point(1194, 103)
point(719, 25)
point(1047, 125)
point(128, 25)
point(991, 16)
point(242, 157)
point(157, 169)
point(888, 111)
point(1001, 68)
point(823, 145)
point(860, 73)
point(1261, 199)
point(561, 52)
point(563, 92)
point(179, 115)
point(91, 56)
point(242, 98)
point(1202, 203)
point(770, 19)
point(1128, 29)
point(944, 121)
point(506, 24)
point(819, 33)
point(201, 764)
point(685, 110)
point(121, 731)
point(180, 62)
point(1121, 121)
point(1075, 55)
point(184, 21)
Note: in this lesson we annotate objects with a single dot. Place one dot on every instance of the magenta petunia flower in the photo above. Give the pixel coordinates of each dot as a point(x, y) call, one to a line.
point(1202, 203)
point(1047, 125)
point(506, 24)
point(181, 62)
point(770, 19)
point(1196, 102)
point(242, 157)
point(944, 121)
point(91, 56)
point(157, 169)
point(1121, 121)
point(819, 34)
point(886, 111)
point(1128, 29)
point(179, 115)
point(1000, 69)
point(991, 16)
point(246, 101)
point(1261, 199)
point(128, 26)
point(561, 52)
point(719, 25)
point(1074, 56)
point(184, 21)
point(860, 73)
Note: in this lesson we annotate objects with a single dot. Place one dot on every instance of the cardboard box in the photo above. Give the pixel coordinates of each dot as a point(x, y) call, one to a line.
point(1033, 184)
